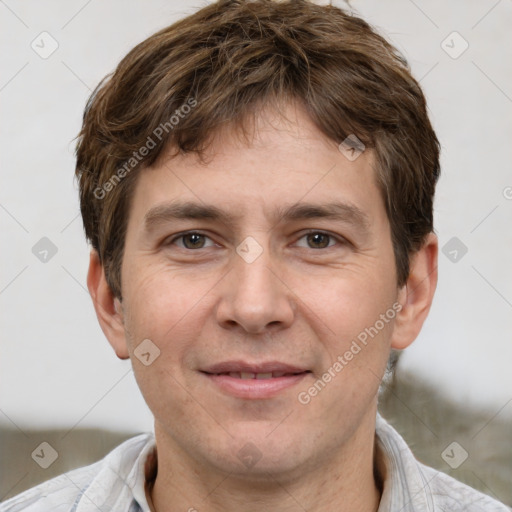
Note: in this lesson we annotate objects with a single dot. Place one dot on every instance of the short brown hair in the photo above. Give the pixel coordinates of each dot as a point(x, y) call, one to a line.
point(228, 59)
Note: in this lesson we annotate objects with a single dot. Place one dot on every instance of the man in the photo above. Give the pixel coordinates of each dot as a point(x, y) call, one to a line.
point(256, 182)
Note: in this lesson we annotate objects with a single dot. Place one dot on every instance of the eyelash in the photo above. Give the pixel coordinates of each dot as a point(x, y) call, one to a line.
point(339, 239)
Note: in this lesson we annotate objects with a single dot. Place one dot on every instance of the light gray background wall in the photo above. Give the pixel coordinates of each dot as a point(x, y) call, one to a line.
point(57, 369)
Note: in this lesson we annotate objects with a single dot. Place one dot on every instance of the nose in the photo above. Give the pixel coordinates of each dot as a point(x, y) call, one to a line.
point(255, 296)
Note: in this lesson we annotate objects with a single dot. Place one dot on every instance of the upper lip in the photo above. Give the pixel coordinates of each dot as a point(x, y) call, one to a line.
point(243, 366)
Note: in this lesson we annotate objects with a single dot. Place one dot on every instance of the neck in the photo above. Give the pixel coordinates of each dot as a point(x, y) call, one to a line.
point(348, 481)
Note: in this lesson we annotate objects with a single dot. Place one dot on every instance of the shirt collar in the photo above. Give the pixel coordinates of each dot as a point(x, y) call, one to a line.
point(144, 467)
point(404, 485)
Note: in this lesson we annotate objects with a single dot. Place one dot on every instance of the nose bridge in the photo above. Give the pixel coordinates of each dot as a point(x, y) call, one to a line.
point(254, 297)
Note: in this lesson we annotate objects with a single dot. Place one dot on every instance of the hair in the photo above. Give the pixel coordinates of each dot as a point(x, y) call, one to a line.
point(221, 64)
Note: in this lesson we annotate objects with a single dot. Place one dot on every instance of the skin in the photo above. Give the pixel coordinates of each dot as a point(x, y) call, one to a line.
point(302, 301)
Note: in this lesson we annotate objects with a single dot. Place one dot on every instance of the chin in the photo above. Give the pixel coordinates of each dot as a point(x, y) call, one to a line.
point(257, 450)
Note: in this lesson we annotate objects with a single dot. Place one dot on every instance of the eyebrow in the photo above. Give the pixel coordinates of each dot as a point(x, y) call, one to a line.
point(167, 212)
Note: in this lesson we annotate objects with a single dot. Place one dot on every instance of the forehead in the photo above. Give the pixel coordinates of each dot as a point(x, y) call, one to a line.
point(286, 169)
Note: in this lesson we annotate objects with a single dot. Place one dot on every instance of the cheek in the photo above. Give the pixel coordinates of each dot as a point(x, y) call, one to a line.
point(354, 302)
point(359, 317)
point(163, 303)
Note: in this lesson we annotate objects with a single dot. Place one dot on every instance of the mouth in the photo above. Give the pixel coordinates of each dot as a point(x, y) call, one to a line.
point(254, 381)
point(258, 376)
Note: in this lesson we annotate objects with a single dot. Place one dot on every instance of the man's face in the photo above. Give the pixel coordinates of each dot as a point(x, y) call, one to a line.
point(283, 297)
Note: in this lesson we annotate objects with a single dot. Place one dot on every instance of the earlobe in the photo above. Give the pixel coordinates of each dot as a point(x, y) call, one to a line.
point(108, 308)
point(416, 295)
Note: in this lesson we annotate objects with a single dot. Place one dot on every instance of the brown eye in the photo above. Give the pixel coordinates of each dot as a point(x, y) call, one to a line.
point(196, 240)
point(318, 240)
point(191, 240)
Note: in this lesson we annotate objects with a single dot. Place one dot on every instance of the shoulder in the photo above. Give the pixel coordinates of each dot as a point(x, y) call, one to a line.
point(448, 494)
point(97, 483)
point(410, 485)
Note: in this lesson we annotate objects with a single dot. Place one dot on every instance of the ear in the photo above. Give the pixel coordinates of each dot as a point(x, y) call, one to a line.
point(108, 308)
point(416, 295)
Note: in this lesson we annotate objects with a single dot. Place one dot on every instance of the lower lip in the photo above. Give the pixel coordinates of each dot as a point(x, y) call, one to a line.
point(255, 388)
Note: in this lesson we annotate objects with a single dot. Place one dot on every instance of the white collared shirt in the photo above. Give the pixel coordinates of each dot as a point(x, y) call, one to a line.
point(116, 483)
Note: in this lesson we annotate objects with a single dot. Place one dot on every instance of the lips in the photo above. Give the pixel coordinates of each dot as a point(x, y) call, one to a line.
point(254, 380)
